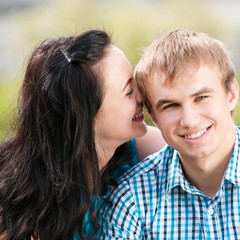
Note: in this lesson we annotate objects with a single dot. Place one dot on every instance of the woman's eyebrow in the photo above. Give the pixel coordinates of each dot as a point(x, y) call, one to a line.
point(128, 81)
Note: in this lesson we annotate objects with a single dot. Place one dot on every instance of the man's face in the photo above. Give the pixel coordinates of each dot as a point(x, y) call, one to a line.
point(194, 114)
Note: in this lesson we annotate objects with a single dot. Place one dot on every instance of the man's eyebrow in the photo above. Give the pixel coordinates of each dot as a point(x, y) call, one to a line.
point(169, 101)
point(128, 81)
point(203, 91)
point(162, 102)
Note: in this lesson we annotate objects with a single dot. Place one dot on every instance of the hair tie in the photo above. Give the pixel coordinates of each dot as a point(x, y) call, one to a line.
point(65, 55)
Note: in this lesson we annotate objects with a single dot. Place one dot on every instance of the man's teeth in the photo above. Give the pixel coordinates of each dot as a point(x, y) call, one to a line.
point(196, 135)
point(137, 115)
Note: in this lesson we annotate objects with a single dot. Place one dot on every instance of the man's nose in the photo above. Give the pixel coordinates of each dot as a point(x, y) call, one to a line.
point(189, 117)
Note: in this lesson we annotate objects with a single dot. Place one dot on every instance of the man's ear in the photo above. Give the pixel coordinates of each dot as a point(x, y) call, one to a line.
point(151, 114)
point(233, 95)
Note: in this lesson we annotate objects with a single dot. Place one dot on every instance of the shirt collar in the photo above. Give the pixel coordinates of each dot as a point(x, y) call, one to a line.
point(175, 175)
point(232, 173)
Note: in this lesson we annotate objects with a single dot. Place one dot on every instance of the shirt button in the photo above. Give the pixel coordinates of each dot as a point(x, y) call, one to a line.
point(210, 211)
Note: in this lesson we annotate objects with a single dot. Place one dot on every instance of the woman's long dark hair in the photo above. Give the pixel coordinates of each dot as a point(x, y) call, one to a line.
point(49, 170)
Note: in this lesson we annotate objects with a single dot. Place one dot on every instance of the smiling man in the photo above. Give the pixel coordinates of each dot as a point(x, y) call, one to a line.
point(190, 189)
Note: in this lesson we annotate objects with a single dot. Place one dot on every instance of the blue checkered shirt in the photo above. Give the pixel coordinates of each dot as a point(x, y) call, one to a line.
point(155, 201)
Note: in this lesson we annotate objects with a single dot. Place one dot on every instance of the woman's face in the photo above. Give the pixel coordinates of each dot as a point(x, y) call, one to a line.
point(120, 117)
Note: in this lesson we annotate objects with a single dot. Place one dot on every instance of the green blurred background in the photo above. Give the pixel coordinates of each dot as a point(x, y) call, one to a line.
point(132, 23)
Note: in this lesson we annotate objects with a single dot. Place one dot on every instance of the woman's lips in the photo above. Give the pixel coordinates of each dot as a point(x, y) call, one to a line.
point(138, 116)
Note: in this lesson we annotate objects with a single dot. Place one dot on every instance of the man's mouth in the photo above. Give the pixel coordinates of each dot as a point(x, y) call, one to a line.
point(195, 135)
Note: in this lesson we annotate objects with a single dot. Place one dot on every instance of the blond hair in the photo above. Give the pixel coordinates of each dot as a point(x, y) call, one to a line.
point(171, 52)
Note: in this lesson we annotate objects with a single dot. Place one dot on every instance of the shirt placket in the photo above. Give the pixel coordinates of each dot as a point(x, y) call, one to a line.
point(212, 224)
point(207, 210)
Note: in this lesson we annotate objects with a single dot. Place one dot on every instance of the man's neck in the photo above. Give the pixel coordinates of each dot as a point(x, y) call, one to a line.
point(206, 173)
point(206, 178)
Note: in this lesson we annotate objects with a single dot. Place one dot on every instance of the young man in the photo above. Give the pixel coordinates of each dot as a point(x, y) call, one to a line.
point(190, 189)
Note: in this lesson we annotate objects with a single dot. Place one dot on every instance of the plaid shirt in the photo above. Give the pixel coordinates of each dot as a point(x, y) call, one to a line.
point(155, 201)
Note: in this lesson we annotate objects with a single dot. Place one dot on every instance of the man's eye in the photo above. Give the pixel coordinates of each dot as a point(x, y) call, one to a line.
point(170, 106)
point(201, 98)
point(130, 92)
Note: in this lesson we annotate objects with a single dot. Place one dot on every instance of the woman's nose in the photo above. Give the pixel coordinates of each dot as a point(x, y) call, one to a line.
point(139, 97)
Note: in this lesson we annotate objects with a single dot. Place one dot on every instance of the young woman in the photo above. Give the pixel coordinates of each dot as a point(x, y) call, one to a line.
point(79, 108)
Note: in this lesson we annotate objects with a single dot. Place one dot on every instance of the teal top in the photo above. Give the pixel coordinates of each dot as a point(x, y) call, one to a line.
point(118, 173)
point(123, 168)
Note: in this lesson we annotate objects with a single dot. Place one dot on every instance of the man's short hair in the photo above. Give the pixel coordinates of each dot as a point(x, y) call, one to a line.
point(171, 52)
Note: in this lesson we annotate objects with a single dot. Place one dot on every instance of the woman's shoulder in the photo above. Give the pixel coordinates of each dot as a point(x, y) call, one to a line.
point(129, 164)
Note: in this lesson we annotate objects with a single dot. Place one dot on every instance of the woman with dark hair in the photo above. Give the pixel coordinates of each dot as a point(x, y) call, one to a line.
point(79, 108)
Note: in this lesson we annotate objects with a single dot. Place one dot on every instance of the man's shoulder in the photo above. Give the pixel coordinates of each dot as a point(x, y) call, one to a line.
point(151, 164)
point(237, 129)
point(151, 172)
point(237, 137)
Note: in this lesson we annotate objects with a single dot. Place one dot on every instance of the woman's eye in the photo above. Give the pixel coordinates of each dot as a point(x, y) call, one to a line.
point(130, 92)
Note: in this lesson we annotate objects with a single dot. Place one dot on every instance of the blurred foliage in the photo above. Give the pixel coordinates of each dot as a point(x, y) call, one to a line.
point(8, 93)
point(132, 23)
